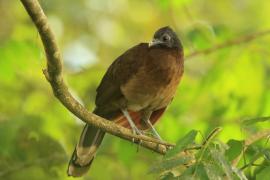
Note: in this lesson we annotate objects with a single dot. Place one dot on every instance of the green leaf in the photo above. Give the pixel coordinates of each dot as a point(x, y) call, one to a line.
point(188, 173)
point(235, 148)
point(170, 164)
point(264, 174)
point(168, 176)
point(195, 172)
point(219, 157)
point(213, 170)
point(267, 154)
point(201, 172)
point(182, 144)
point(251, 121)
point(240, 174)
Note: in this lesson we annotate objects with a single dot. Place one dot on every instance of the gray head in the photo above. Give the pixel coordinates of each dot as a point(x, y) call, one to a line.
point(165, 37)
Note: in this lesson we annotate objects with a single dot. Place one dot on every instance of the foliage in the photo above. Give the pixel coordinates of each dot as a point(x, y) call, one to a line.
point(213, 159)
point(227, 88)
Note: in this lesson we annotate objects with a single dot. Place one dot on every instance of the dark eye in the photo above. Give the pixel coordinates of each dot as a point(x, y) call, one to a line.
point(166, 38)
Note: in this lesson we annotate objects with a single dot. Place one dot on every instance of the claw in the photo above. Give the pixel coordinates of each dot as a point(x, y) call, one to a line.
point(135, 130)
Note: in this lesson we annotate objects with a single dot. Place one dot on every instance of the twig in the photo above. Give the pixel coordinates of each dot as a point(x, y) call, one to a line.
point(250, 141)
point(55, 77)
point(226, 44)
point(204, 146)
point(255, 158)
point(209, 138)
point(207, 141)
point(232, 42)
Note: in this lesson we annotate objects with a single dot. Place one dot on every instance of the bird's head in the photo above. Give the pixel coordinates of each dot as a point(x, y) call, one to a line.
point(165, 37)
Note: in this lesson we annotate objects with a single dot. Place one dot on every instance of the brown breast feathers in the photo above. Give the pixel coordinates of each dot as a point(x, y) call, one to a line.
point(154, 84)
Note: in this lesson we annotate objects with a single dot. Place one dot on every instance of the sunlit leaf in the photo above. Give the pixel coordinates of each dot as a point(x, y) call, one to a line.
point(170, 164)
point(201, 172)
point(223, 162)
point(213, 170)
point(168, 176)
point(251, 121)
point(239, 173)
point(235, 148)
point(182, 143)
point(188, 173)
point(264, 174)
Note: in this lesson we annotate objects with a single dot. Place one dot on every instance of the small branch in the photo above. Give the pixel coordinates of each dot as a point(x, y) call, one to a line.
point(255, 158)
point(211, 136)
point(55, 77)
point(229, 43)
point(249, 141)
point(232, 42)
point(206, 142)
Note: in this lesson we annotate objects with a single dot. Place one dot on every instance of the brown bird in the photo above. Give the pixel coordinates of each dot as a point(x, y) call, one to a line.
point(134, 93)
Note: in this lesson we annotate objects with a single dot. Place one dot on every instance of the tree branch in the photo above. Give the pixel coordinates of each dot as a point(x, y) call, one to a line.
point(54, 75)
point(226, 44)
point(232, 42)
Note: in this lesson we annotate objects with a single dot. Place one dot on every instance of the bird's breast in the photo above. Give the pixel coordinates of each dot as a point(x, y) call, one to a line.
point(153, 86)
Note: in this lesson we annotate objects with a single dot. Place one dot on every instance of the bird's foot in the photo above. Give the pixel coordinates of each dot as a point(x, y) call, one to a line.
point(136, 131)
point(157, 136)
point(154, 132)
point(134, 128)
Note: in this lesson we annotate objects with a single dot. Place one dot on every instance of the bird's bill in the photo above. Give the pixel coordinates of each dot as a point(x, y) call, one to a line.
point(155, 42)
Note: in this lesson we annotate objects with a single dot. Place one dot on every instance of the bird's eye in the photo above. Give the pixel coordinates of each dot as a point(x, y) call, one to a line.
point(166, 38)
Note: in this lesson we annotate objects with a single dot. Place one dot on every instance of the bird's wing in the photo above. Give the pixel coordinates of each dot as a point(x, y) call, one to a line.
point(122, 69)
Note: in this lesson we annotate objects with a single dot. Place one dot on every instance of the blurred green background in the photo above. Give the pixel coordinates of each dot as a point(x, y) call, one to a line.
point(38, 135)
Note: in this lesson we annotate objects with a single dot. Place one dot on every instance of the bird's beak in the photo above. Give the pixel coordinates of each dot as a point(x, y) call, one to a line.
point(155, 42)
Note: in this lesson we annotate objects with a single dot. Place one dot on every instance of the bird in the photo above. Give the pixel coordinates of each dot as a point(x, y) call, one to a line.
point(134, 93)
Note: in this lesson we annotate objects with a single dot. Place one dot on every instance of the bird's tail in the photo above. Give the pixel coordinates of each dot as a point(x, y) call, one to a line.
point(85, 151)
point(92, 137)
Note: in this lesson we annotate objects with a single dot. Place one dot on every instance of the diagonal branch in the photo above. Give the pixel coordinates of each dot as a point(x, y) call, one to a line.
point(54, 75)
point(229, 43)
point(232, 42)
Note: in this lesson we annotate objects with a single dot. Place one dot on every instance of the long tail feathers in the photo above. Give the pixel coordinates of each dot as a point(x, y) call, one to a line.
point(85, 151)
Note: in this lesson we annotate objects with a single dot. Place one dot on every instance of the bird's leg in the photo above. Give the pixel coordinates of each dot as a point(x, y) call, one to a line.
point(154, 131)
point(131, 123)
point(146, 118)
